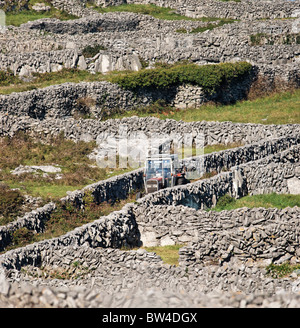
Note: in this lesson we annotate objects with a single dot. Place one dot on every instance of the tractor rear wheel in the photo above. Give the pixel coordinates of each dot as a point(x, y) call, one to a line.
point(180, 181)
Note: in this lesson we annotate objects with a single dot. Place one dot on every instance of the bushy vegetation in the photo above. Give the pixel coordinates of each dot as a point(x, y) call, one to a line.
point(281, 270)
point(11, 202)
point(268, 39)
point(8, 78)
point(209, 77)
point(14, 5)
point(91, 51)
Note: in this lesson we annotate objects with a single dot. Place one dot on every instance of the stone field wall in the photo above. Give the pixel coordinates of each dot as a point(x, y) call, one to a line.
point(89, 129)
point(126, 38)
point(208, 8)
point(99, 98)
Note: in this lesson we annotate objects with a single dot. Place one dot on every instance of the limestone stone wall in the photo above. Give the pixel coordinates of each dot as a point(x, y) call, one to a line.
point(116, 230)
point(90, 129)
point(215, 8)
point(99, 98)
point(275, 238)
point(169, 225)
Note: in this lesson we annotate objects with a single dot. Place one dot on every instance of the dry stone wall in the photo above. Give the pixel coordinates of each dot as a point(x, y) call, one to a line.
point(133, 275)
point(126, 37)
point(99, 98)
point(215, 8)
point(227, 251)
point(89, 129)
point(223, 241)
point(34, 221)
point(116, 230)
point(169, 225)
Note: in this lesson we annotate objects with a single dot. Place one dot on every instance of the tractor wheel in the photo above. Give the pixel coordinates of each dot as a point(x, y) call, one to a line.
point(180, 181)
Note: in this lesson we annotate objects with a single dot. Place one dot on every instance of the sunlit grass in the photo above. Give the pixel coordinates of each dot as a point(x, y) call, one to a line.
point(169, 254)
point(273, 200)
point(16, 18)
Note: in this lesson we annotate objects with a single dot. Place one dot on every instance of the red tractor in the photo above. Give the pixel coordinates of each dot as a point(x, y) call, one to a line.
point(163, 171)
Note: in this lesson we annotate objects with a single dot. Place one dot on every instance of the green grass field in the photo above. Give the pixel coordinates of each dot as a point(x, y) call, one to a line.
point(16, 18)
point(266, 200)
point(77, 169)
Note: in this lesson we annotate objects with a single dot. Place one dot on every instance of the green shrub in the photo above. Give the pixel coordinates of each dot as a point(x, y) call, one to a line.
point(91, 51)
point(7, 78)
point(280, 270)
point(209, 77)
point(225, 200)
point(10, 5)
point(21, 237)
point(11, 202)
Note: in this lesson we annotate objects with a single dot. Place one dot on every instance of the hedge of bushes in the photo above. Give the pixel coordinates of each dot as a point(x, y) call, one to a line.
point(7, 78)
point(209, 77)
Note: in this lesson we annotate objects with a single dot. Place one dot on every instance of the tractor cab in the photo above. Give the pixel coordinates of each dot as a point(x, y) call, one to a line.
point(162, 171)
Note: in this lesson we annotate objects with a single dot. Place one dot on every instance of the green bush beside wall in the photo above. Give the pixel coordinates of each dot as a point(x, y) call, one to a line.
point(209, 77)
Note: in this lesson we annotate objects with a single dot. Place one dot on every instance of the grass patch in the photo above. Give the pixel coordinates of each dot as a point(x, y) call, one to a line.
point(169, 254)
point(278, 108)
point(10, 83)
point(77, 169)
point(281, 270)
point(219, 147)
point(18, 17)
point(209, 26)
point(165, 13)
point(150, 9)
point(273, 200)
